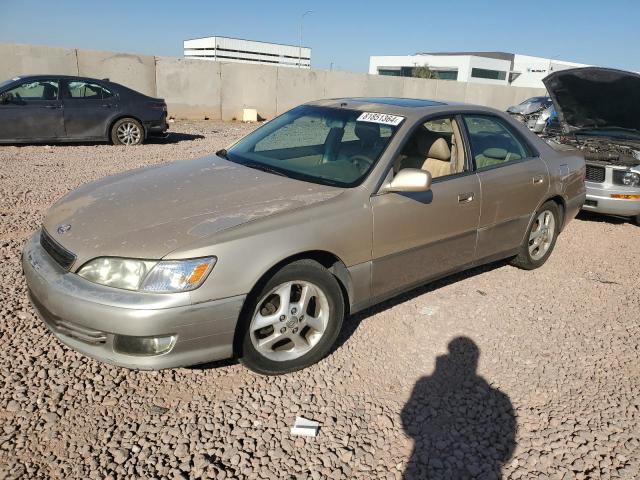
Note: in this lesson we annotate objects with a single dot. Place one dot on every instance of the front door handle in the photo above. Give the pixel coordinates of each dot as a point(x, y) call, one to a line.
point(538, 179)
point(465, 197)
point(53, 106)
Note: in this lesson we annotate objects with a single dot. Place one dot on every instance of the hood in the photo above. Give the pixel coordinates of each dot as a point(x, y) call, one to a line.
point(595, 98)
point(526, 108)
point(147, 213)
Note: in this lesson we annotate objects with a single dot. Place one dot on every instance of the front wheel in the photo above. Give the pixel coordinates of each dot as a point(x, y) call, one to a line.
point(636, 220)
point(127, 131)
point(540, 239)
point(293, 320)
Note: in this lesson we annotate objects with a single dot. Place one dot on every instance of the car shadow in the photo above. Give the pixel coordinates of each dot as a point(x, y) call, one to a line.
point(352, 323)
point(174, 137)
point(227, 362)
point(601, 218)
point(462, 427)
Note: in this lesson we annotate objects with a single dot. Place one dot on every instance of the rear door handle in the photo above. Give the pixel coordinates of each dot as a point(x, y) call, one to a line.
point(53, 106)
point(538, 179)
point(465, 197)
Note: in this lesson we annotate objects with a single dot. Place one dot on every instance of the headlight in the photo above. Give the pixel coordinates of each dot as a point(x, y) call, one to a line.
point(178, 275)
point(631, 179)
point(160, 277)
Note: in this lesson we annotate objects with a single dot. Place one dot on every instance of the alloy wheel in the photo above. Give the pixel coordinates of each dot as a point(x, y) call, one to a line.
point(129, 133)
point(541, 235)
point(289, 320)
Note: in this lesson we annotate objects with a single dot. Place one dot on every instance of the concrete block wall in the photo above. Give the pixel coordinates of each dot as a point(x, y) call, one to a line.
point(134, 71)
point(199, 88)
point(192, 88)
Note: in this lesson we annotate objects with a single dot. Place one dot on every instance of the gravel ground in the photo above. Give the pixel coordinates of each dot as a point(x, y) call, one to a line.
point(495, 372)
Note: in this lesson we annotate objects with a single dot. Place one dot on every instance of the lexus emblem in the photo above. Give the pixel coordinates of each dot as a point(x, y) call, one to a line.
point(62, 229)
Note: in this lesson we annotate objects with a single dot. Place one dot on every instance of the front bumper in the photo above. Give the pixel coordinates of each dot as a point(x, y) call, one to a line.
point(599, 199)
point(88, 317)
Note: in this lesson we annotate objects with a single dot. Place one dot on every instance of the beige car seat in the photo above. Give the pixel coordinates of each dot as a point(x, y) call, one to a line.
point(432, 153)
point(438, 161)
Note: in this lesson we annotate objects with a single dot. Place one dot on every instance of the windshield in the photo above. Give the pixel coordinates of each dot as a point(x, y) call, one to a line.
point(323, 145)
point(536, 100)
point(6, 82)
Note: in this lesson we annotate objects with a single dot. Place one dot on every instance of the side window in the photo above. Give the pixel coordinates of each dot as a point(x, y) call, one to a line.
point(86, 90)
point(436, 146)
point(34, 91)
point(493, 142)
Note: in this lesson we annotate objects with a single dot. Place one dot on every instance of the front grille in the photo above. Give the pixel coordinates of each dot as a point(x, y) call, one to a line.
point(61, 255)
point(595, 174)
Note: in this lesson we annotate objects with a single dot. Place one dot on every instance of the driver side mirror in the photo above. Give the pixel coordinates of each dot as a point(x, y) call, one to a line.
point(409, 180)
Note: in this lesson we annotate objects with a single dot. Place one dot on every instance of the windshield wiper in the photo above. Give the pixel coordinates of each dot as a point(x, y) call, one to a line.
point(263, 168)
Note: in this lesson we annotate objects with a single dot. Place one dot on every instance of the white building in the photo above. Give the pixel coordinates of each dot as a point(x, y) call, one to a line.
point(225, 49)
point(498, 68)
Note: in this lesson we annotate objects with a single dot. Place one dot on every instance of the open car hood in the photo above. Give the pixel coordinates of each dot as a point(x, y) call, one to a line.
point(595, 97)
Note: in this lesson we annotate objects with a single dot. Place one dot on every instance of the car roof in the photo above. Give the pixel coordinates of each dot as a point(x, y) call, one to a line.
point(66, 77)
point(406, 107)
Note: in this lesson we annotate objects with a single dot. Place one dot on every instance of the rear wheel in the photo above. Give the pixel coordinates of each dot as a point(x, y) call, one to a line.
point(636, 220)
point(127, 131)
point(293, 320)
point(540, 239)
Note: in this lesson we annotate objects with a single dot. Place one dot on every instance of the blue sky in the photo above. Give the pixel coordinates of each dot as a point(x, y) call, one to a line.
point(344, 33)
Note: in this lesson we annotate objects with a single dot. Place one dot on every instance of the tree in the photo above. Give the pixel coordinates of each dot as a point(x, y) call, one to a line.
point(423, 72)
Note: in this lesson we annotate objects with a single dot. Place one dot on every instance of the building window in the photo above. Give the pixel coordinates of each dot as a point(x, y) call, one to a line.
point(390, 73)
point(446, 74)
point(490, 74)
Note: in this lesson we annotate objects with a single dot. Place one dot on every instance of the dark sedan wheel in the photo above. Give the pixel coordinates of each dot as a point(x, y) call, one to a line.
point(540, 239)
point(293, 320)
point(127, 131)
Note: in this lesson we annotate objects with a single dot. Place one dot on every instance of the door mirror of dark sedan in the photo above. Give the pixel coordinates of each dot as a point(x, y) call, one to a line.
point(409, 180)
point(5, 98)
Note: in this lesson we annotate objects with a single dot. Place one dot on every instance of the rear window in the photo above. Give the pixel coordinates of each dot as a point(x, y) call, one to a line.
point(86, 90)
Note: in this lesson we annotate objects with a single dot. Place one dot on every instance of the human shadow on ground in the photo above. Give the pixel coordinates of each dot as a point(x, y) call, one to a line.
point(461, 426)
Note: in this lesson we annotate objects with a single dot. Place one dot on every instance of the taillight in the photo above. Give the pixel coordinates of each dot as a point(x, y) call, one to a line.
point(158, 106)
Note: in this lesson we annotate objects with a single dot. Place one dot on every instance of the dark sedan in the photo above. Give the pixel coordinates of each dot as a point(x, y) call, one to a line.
point(57, 108)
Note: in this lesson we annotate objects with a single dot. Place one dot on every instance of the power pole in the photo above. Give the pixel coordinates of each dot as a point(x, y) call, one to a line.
point(308, 12)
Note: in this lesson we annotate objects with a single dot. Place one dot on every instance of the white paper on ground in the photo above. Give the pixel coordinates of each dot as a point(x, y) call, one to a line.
point(305, 427)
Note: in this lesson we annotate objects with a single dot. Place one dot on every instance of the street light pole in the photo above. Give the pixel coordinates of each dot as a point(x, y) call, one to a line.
point(300, 39)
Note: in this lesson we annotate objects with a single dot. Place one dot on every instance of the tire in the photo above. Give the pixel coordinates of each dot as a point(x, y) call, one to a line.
point(534, 252)
point(636, 220)
point(127, 131)
point(269, 326)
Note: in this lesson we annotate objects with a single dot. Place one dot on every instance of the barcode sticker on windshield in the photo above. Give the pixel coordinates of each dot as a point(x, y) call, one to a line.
point(383, 118)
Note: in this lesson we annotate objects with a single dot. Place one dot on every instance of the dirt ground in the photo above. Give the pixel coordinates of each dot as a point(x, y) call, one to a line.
point(493, 373)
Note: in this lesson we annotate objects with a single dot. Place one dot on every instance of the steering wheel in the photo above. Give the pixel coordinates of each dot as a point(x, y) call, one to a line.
point(362, 162)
